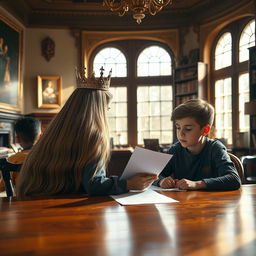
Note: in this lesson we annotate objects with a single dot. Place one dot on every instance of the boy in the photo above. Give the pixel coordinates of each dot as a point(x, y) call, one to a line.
point(198, 162)
point(27, 132)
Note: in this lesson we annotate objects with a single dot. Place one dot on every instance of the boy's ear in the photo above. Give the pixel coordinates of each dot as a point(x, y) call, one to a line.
point(206, 129)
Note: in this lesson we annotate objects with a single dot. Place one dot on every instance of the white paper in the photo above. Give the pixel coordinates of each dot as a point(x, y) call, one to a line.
point(145, 161)
point(152, 187)
point(147, 197)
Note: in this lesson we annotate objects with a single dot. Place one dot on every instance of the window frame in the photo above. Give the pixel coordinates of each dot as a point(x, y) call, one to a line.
point(233, 71)
point(131, 48)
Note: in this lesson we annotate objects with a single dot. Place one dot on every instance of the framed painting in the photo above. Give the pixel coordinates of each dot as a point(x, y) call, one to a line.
point(11, 41)
point(49, 91)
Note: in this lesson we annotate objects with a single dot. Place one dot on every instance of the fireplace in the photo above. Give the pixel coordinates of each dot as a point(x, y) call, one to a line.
point(7, 135)
point(5, 139)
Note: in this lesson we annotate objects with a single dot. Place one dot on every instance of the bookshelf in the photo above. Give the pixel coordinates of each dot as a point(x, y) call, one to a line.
point(250, 107)
point(190, 82)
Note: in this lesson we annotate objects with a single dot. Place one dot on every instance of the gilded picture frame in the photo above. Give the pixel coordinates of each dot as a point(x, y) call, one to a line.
point(11, 45)
point(49, 91)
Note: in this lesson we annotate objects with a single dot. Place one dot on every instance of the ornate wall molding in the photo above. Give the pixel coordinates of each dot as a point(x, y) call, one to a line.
point(92, 39)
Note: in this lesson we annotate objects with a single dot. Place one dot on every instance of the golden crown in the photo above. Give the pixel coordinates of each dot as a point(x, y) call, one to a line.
point(99, 83)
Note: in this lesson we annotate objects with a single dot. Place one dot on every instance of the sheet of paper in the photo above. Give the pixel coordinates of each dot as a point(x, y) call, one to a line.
point(152, 187)
point(145, 161)
point(147, 197)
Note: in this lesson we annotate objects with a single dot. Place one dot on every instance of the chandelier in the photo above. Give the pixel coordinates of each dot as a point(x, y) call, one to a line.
point(138, 7)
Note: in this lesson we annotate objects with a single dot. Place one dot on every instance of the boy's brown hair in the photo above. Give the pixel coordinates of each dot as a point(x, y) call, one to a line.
point(202, 111)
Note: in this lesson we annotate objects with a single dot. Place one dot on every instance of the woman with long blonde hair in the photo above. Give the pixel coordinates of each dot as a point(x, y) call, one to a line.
point(72, 154)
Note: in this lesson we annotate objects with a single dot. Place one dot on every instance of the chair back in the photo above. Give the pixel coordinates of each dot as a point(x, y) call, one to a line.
point(6, 168)
point(118, 161)
point(239, 166)
point(152, 144)
point(249, 163)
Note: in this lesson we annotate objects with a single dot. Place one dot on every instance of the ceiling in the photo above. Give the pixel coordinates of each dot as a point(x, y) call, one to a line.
point(91, 14)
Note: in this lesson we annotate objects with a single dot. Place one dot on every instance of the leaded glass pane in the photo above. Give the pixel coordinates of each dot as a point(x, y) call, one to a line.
point(166, 93)
point(243, 97)
point(142, 94)
point(154, 93)
point(166, 108)
point(223, 109)
point(155, 134)
point(166, 136)
point(154, 61)
point(121, 124)
point(117, 115)
point(143, 109)
point(155, 123)
point(154, 109)
point(247, 40)
point(223, 53)
point(143, 123)
point(110, 58)
point(165, 122)
point(121, 109)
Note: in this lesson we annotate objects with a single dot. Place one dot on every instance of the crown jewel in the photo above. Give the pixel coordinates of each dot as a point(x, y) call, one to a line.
point(92, 82)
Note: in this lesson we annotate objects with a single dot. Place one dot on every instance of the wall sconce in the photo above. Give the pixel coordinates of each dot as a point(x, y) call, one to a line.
point(48, 48)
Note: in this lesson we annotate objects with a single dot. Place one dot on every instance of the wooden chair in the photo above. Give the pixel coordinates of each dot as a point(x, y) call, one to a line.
point(118, 161)
point(6, 168)
point(249, 163)
point(152, 144)
point(239, 166)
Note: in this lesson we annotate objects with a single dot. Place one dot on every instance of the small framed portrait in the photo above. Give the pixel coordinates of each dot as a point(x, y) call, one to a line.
point(49, 91)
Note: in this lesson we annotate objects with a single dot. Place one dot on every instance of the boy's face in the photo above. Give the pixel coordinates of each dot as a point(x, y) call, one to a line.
point(189, 132)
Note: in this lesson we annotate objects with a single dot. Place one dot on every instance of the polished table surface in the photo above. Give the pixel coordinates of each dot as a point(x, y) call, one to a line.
point(201, 223)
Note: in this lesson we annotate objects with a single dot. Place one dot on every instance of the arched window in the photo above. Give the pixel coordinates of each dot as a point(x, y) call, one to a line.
point(231, 79)
point(223, 108)
point(154, 61)
point(142, 101)
point(223, 53)
point(154, 102)
point(247, 40)
point(112, 58)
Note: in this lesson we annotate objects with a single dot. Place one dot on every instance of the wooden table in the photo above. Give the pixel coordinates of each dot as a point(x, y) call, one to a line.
point(202, 224)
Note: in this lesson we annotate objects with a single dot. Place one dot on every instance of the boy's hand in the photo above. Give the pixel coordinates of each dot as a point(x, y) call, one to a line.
point(190, 185)
point(167, 182)
point(140, 181)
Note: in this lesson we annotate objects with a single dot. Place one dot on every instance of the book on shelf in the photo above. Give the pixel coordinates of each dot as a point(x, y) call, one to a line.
point(4, 152)
point(254, 140)
point(253, 122)
point(188, 87)
point(182, 99)
point(185, 73)
point(252, 53)
point(253, 76)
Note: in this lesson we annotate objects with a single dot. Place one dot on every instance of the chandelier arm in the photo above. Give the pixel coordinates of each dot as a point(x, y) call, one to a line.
point(156, 6)
point(115, 6)
point(138, 7)
point(161, 3)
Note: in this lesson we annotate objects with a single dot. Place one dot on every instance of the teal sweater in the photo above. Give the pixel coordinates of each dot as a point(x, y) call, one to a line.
point(99, 184)
point(212, 165)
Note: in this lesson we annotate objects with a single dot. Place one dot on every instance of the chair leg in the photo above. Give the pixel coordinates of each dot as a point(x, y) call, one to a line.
point(8, 183)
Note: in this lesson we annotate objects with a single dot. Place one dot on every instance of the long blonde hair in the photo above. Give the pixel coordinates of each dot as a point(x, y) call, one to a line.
point(77, 136)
